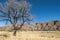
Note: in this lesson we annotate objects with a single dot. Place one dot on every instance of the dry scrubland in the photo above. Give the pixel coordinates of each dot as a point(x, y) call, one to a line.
point(30, 35)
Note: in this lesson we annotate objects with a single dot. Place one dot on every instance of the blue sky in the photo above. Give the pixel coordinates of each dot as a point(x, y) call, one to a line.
point(44, 10)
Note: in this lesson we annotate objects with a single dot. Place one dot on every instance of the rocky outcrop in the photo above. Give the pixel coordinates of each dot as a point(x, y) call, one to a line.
point(51, 26)
point(48, 26)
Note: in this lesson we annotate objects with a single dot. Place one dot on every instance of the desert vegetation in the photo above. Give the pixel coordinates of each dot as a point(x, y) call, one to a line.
point(14, 12)
point(17, 14)
point(30, 35)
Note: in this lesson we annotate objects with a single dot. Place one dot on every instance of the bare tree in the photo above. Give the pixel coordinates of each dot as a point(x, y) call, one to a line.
point(15, 12)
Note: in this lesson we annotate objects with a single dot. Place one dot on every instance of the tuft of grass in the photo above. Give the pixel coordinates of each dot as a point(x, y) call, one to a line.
point(4, 35)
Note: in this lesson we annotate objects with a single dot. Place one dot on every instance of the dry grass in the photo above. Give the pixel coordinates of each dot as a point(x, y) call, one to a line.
point(30, 35)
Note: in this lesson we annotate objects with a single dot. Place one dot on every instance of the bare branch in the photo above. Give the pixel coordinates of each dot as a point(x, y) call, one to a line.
point(14, 11)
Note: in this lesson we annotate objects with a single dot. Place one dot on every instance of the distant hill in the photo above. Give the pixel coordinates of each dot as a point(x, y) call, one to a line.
point(48, 26)
point(51, 26)
point(6, 28)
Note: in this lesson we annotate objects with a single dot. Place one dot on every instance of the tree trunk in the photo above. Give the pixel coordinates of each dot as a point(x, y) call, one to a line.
point(14, 34)
point(16, 29)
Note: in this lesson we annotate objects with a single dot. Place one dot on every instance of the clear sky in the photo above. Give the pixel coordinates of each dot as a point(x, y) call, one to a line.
point(44, 10)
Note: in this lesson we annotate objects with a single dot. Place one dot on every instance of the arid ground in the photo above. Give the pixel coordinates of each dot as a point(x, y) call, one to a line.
point(30, 35)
